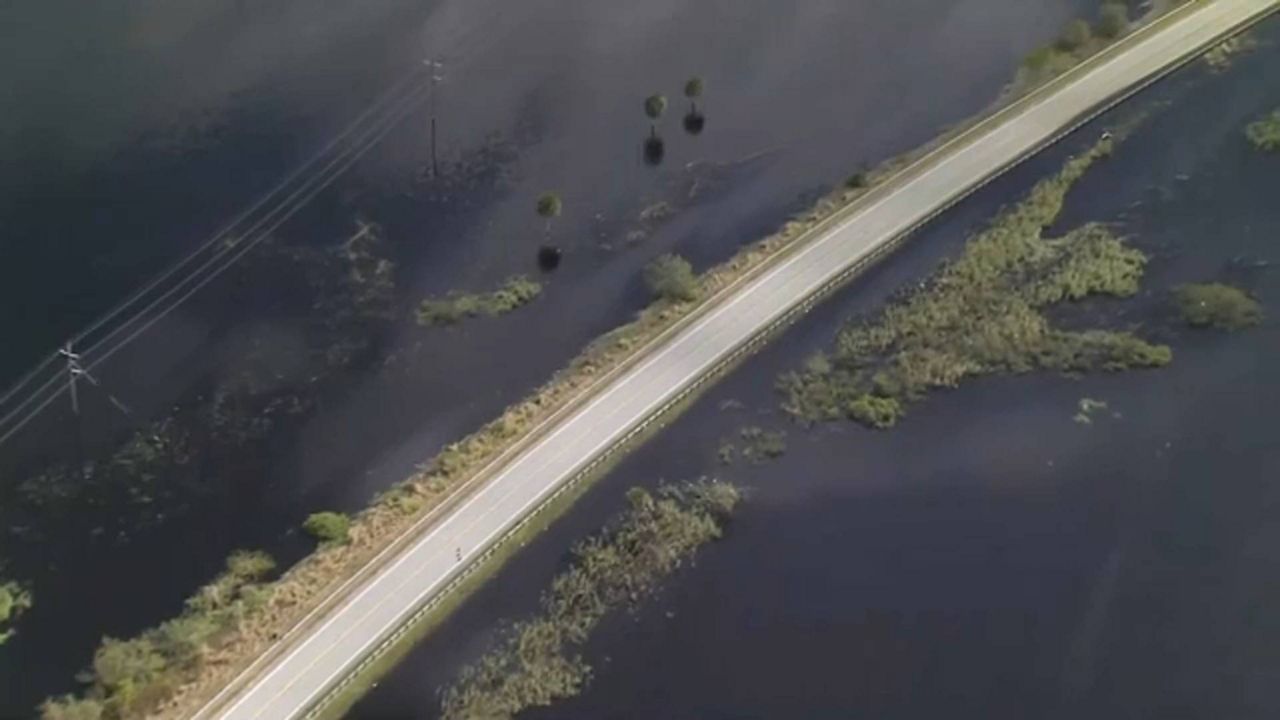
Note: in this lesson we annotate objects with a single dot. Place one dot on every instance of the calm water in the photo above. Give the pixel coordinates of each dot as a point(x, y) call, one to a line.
point(990, 557)
point(141, 126)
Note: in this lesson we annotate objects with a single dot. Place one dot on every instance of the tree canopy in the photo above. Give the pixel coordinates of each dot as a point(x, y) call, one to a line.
point(693, 88)
point(655, 106)
point(549, 205)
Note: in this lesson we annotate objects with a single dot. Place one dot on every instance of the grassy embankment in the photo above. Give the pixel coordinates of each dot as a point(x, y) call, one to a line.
point(1077, 41)
point(394, 513)
point(983, 314)
point(538, 661)
point(129, 676)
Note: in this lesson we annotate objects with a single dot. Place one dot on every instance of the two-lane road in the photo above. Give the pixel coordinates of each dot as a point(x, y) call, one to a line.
point(335, 644)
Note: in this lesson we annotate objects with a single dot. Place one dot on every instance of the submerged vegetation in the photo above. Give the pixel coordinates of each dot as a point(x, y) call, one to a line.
point(758, 446)
point(514, 294)
point(1087, 408)
point(1265, 133)
point(1216, 305)
point(132, 678)
point(539, 660)
point(14, 600)
point(983, 314)
point(220, 429)
point(1221, 56)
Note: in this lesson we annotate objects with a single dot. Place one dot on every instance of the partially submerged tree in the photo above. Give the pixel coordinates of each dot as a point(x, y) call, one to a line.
point(694, 121)
point(654, 148)
point(549, 207)
point(693, 90)
point(654, 107)
point(671, 278)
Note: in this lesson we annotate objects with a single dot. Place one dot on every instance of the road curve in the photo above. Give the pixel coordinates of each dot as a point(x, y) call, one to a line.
point(336, 643)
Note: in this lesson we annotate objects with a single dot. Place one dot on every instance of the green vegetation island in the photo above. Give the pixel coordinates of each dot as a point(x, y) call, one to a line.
point(539, 659)
point(983, 313)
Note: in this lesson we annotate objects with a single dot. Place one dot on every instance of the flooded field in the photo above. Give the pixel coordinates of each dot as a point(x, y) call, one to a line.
point(141, 128)
point(993, 555)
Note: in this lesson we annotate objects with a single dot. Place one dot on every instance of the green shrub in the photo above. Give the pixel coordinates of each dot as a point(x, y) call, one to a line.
point(330, 528)
point(671, 278)
point(13, 602)
point(1217, 305)
point(1113, 20)
point(1265, 133)
point(856, 181)
point(250, 564)
point(878, 412)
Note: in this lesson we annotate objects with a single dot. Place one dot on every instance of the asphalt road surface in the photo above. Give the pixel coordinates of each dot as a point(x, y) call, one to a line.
point(333, 645)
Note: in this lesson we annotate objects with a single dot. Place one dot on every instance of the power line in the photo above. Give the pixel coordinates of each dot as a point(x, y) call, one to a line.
point(262, 202)
point(348, 162)
point(31, 375)
point(298, 199)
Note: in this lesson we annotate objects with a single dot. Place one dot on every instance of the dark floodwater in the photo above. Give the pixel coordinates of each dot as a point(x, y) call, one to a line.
point(990, 557)
point(139, 127)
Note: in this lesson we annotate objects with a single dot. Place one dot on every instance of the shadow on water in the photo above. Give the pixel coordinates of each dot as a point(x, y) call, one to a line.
point(991, 556)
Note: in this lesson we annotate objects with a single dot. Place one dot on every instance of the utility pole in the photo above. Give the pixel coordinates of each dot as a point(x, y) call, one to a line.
point(74, 372)
point(434, 66)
